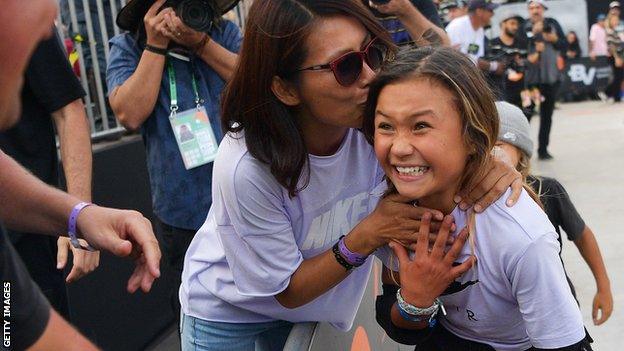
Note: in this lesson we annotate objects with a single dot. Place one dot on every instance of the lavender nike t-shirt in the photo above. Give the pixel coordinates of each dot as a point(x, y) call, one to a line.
point(256, 236)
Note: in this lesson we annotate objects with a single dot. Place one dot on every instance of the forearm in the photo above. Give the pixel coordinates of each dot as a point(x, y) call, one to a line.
point(385, 310)
point(420, 28)
point(134, 100)
point(588, 247)
point(314, 277)
point(59, 335)
point(34, 205)
point(75, 142)
point(219, 58)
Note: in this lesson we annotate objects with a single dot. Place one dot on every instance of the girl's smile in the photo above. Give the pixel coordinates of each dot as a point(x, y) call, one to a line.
point(419, 141)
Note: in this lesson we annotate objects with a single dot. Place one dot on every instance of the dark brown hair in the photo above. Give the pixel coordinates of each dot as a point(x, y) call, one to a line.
point(274, 45)
point(472, 97)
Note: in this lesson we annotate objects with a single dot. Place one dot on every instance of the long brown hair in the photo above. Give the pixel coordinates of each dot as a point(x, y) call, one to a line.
point(274, 45)
point(472, 97)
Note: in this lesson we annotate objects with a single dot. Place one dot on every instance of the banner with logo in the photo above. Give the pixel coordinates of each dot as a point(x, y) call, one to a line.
point(585, 76)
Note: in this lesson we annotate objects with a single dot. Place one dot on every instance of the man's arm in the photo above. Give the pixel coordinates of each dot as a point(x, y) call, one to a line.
point(422, 30)
point(75, 141)
point(38, 208)
point(59, 335)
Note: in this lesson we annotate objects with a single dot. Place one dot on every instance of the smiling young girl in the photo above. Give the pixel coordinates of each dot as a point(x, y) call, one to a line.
point(434, 123)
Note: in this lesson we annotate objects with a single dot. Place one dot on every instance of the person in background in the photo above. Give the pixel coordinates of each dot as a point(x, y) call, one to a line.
point(514, 141)
point(452, 9)
point(573, 49)
point(615, 45)
point(511, 83)
point(546, 42)
point(51, 100)
point(29, 205)
point(410, 22)
point(160, 73)
point(468, 36)
point(598, 38)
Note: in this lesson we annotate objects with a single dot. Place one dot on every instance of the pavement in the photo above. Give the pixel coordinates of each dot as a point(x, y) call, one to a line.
point(587, 142)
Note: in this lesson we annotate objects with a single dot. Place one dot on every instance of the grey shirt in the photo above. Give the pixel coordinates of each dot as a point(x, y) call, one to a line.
point(545, 71)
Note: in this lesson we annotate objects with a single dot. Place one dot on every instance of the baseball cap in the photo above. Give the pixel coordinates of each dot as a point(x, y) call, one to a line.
point(613, 4)
point(507, 15)
point(601, 17)
point(540, 2)
point(482, 4)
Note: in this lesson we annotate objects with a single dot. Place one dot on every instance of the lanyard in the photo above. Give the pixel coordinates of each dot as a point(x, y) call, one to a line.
point(174, 90)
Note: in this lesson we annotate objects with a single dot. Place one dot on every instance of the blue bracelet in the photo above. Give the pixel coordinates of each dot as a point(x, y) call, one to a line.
point(414, 318)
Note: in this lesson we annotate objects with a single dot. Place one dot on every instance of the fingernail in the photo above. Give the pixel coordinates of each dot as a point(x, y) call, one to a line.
point(510, 202)
point(478, 208)
point(439, 216)
point(463, 206)
point(391, 244)
point(457, 199)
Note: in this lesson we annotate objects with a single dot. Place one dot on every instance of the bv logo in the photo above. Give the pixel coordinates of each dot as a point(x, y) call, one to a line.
point(579, 73)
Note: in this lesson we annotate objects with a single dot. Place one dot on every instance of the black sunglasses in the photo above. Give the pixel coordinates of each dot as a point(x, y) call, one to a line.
point(348, 67)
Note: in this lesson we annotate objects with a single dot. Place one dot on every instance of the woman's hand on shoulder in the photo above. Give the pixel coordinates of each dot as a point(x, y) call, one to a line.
point(500, 176)
point(394, 219)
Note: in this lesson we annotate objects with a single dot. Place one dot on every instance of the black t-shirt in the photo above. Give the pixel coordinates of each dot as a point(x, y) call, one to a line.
point(25, 311)
point(49, 85)
point(510, 90)
point(558, 206)
point(397, 30)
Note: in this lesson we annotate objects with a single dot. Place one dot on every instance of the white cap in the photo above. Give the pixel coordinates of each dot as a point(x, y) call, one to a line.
point(613, 4)
point(540, 2)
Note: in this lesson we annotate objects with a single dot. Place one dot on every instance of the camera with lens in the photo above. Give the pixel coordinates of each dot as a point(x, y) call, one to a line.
point(508, 55)
point(196, 14)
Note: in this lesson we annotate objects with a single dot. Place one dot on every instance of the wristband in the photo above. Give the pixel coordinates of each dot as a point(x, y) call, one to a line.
point(493, 66)
point(431, 320)
point(341, 259)
point(71, 226)
point(355, 259)
point(156, 50)
point(417, 311)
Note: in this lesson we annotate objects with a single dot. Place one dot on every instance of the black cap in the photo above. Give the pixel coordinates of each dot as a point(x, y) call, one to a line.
point(482, 4)
point(131, 15)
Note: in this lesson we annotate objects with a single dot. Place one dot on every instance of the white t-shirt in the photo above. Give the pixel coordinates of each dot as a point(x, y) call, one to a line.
point(256, 236)
point(465, 38)
point(517, 296)
point(598, 38)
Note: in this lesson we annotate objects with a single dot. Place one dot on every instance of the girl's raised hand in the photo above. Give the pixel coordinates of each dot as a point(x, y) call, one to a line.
point(425, 277)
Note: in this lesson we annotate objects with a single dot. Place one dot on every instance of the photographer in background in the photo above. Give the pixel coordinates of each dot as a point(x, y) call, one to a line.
point(410, 22)
point(468, 36)
point(161, 76)
point(508, 45)
point(546, 42)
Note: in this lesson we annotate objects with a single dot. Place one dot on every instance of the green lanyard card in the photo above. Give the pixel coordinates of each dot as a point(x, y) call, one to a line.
point(193, 132)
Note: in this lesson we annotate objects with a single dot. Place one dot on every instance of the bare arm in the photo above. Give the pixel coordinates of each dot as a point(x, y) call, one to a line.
point(59, 335)
point(317, 275)
point(134, 100)
point(588, 247)
point(75, 141)
point(219, 58)
point(421, 29)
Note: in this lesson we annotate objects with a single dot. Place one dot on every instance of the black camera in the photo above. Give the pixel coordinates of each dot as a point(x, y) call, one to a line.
point(508, 55)
point(197, 14)
point(380, 2)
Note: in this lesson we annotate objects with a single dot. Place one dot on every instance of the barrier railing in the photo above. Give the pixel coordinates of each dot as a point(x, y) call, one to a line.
point(85, 27)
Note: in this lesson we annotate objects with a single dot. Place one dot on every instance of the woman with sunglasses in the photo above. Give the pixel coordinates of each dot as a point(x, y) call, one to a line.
point(292, 224)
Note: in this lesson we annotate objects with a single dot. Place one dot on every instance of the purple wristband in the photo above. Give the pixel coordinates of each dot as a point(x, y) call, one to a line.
point(353, 258)
point(71, 226)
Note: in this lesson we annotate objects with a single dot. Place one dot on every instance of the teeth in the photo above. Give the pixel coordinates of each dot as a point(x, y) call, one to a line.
point(412, 170)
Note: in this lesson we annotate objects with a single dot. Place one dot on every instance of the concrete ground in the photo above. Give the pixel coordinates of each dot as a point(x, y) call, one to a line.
point(587, 141)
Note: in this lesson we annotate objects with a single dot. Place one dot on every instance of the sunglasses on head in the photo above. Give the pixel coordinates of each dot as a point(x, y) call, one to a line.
point(348, 67)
